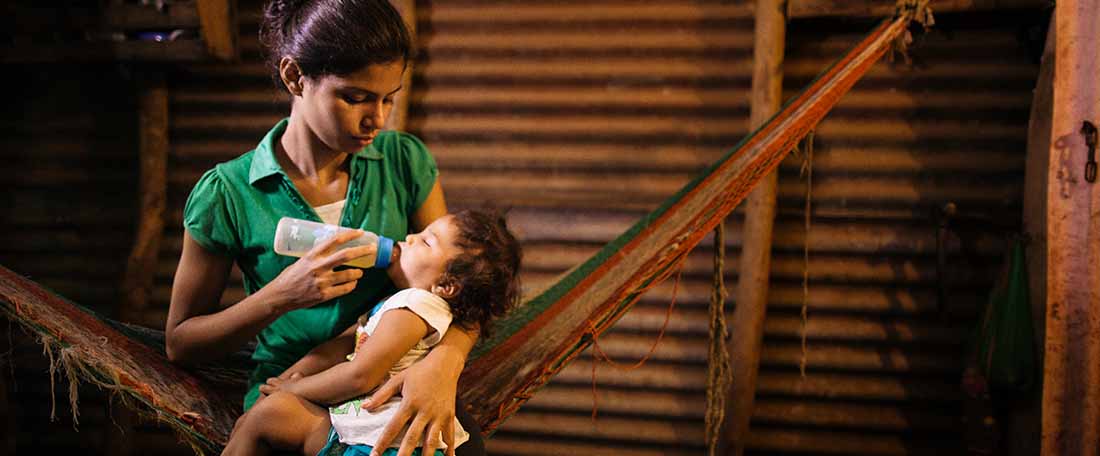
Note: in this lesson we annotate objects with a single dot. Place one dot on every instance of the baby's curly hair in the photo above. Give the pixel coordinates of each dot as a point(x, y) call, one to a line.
point(486, 272)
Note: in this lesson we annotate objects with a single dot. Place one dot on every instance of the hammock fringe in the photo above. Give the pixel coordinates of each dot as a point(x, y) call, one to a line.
point(61, 356)
point(81, 345)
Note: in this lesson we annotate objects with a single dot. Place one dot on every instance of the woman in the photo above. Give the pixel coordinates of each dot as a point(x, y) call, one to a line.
point(342, 62)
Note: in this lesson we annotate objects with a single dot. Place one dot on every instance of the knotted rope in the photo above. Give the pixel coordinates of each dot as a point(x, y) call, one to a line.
point(719, 375)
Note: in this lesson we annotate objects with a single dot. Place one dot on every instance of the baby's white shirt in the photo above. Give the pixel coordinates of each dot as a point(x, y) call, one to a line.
point(356, 426)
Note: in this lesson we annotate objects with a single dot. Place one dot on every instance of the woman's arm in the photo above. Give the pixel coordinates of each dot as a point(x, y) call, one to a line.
point(396, 334)
point(196, 331)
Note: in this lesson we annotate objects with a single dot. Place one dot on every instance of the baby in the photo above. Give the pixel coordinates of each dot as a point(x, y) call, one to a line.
point(461, 270)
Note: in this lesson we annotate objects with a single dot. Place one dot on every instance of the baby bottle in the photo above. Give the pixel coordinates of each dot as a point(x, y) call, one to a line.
point(296, 237)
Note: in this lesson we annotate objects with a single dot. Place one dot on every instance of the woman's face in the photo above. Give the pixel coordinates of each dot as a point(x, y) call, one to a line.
point(346, 112)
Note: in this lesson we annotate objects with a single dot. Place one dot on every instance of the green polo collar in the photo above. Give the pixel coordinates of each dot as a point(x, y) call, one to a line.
point(264, 163)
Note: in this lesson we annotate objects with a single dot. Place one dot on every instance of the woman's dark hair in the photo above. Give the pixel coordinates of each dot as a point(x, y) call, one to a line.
point(333, 36)
point(486, 272)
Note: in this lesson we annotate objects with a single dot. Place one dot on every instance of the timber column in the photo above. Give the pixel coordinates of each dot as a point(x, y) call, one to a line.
point(1071, 374)
point(747, 328)
point(399, 116)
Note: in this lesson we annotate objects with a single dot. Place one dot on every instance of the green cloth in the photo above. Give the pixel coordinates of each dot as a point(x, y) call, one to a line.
point(1005, 348)
point(234, 208)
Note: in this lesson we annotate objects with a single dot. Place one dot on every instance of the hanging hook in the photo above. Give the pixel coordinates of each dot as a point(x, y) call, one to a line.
point(1089, 130)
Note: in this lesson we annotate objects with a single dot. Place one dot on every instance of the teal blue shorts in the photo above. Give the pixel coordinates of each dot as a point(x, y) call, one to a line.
point(335, 448)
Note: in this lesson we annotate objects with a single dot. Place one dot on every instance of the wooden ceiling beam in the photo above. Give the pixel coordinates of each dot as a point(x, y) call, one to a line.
point(218, 20)
point(883, 8)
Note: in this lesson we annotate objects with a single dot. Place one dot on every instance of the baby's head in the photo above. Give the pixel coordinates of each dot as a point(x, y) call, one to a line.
point(470, 259)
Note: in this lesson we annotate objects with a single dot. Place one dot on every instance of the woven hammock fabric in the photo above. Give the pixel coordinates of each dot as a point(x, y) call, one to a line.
point(99, 353)
point(530, 345)
point(555, 326)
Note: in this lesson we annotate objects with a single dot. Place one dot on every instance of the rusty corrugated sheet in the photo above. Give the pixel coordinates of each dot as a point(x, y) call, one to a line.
point(582, 116)
point(908, 139)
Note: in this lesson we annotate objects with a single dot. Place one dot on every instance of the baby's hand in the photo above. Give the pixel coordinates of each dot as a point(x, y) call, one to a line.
point(278, 383)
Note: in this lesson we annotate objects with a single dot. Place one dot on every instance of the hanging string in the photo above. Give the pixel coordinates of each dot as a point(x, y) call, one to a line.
point(918, 11)
point(601, 356)
point(807, 172)
point(719, 376)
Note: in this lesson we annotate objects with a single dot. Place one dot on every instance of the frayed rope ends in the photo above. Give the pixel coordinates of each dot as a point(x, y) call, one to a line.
point(67, 360)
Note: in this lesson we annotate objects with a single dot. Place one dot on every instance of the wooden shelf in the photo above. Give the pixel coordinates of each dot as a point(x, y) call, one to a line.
point(124, 51)
point(56, 33)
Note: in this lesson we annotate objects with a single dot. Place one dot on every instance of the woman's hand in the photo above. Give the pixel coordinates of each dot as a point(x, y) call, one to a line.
point(428, 402)
point(311, 280)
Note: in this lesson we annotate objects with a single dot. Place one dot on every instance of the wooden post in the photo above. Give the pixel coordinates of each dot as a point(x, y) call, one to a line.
point(747, 327)
point(141, 266)
point(1071, 380)
point(1025, 414)
point(152, 190)
point(1035, 185)
point(218, 22)
point(399, 116)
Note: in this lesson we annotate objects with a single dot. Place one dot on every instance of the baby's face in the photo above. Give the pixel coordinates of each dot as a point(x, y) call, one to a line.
point(422, 256)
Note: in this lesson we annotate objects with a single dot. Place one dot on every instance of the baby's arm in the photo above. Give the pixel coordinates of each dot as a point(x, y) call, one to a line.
point(397, 333)
point(324, 356)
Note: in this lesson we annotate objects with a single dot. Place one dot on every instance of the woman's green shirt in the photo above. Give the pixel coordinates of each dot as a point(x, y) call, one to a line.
point(234, 208)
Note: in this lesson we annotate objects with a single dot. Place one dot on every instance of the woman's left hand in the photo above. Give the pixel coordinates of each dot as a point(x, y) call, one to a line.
point(427, 405)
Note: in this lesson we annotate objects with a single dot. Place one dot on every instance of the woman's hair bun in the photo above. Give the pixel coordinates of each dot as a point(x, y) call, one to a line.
point(284, 8)
point(278, 14)
point(333, 36)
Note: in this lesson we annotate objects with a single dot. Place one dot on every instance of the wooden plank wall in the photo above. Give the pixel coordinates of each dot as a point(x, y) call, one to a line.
point(582, 116)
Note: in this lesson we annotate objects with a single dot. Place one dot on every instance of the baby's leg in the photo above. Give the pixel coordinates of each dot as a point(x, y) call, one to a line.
point(282, 422)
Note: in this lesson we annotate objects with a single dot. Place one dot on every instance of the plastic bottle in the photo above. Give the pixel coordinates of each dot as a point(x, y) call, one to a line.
point(296, 237)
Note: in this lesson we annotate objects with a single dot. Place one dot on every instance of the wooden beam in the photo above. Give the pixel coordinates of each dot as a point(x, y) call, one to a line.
point(152, 193)
point(136, 16)
point(1025, 414)
point(755, 262)
point(398, 118)
point(1071, 377)
point(1036, 169)
point(126, 51)
point(137, 283)
point(218, 26)
point(884, 8)
point(92, 18)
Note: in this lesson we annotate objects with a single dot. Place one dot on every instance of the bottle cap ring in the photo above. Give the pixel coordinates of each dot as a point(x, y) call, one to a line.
point(385, 252)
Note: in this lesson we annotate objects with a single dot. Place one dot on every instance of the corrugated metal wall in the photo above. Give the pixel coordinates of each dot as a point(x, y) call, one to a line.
point(582, 116)
point(68, 151)
point(883, 365)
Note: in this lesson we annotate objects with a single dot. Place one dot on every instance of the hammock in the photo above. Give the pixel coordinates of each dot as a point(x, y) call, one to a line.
point(530, 345)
